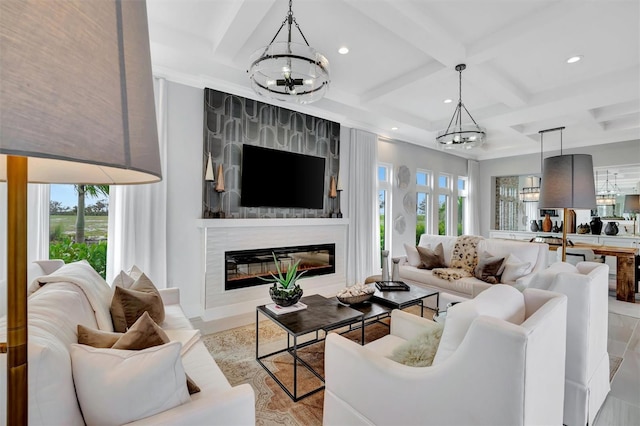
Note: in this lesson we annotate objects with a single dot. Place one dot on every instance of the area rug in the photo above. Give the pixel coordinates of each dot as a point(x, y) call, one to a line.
point(234, 352)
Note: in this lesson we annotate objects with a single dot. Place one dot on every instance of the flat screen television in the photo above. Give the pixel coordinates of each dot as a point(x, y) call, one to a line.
point(275, 178)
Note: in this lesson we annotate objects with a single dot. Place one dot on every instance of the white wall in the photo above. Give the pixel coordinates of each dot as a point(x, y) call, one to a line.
point(399, 153)
point(184, 187)
point(614, 154)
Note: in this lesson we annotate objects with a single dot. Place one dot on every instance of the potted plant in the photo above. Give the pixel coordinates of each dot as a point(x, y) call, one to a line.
point(285, 290)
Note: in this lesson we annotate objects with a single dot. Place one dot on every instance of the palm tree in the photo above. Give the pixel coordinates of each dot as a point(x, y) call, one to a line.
point(82, 190)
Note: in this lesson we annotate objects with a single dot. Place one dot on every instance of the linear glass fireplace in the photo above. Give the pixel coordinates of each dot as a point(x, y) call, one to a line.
point(245, 267)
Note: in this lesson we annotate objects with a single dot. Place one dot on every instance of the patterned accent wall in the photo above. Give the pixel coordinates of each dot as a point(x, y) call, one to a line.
point(231, 121)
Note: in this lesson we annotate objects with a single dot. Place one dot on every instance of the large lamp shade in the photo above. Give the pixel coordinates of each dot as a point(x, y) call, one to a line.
point(567, 182)
point(76, 106)
point(632, 203)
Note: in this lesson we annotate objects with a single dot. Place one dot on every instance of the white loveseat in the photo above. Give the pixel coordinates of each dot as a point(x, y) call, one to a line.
point(56, 309)
point(500, 361)
point(467, 288)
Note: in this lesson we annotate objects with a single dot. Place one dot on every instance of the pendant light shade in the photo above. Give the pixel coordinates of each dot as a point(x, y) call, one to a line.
point(567, 182)
point(289, 71)
point(459, 135)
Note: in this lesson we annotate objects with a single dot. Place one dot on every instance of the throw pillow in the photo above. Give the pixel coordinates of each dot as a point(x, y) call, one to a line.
point(413, 257)
point(128, 304)
point(115, 387)
point(122, 280)
point(419, 351)
point(143, 334)
point(514, 268)
point(431, 258)
point(489, 268)
point(97, 338)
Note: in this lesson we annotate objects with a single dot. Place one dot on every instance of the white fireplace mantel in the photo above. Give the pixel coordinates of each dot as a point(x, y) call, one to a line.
point(244, 223)
point(220, 235)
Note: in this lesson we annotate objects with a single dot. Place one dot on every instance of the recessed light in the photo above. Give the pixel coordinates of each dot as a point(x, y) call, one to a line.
point(447, 101)
point(574, 59)
point(343, 50)
point(394, 128)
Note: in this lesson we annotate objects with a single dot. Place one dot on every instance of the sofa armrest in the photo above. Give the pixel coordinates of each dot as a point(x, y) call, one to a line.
point(407, 326)
point(170, 296)
point(233, 407)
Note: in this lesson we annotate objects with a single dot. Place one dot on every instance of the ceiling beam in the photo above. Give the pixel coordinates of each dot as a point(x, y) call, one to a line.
point(496, 86)
point(512, 34)
point(233, 31)
point(432, 70)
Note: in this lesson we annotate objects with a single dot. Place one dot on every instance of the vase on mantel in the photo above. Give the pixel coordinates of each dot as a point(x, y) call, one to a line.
point(546, 223)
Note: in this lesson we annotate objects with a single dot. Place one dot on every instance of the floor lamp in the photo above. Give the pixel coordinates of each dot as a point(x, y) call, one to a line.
point(632, 205)
point(567, 183)
point(77, 107)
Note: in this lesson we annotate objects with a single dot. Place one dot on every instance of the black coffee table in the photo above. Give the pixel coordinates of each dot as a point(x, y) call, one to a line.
point(322, 314)
point(399, 299)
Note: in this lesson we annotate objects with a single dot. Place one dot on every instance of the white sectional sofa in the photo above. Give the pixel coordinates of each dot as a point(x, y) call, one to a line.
point(467, 288)
point(56, 309)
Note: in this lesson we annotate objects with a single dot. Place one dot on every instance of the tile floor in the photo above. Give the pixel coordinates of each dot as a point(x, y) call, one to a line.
point(622, 406)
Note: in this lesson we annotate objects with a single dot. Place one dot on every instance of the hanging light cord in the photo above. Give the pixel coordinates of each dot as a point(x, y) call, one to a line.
point(457, 115)
point(288, 20)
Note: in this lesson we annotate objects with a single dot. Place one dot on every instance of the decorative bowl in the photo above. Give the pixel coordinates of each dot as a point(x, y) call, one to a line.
point(285, 298)
point(352, 300)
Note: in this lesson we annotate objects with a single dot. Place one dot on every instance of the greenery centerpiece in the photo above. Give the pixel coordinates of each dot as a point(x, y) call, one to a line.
point(285, 290)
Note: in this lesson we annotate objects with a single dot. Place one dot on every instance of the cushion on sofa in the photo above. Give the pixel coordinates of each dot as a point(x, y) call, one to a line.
point(118, 386)
point(143, 334)
point(514, 268)
point(499, 301)
point(489, 268)
point(431, 241)
point(431, 259)
point(420, 350)
point(129, 304)
point(97, 338)
point(413, 257)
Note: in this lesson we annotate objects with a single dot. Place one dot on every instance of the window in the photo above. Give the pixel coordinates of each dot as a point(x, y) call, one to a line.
point(444, 193)
point(74, 236)
point(384, 204)
point(423, 204)
point(463, 194)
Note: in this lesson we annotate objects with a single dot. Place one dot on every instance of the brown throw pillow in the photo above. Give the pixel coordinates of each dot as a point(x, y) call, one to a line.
point(489, 268)
point(97, 338)
point(431, 258)
point(128, 304)
point(143, 334)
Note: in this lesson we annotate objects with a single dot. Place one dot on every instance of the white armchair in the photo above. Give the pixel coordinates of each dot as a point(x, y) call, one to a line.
point(587, 365)
point(502, 373)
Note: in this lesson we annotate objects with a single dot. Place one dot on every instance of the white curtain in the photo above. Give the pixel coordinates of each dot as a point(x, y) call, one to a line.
point(363, 242)
point(38, 196)
point(138, 215)
point(473, 209)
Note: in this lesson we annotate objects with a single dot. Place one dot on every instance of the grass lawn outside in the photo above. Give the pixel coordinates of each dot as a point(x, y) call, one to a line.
point(94, 226)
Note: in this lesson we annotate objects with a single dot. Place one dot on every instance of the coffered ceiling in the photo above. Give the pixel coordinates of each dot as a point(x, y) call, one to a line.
point(402, 54)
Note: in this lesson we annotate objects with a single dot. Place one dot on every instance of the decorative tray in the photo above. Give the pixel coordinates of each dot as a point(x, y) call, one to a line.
point(392, 286)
